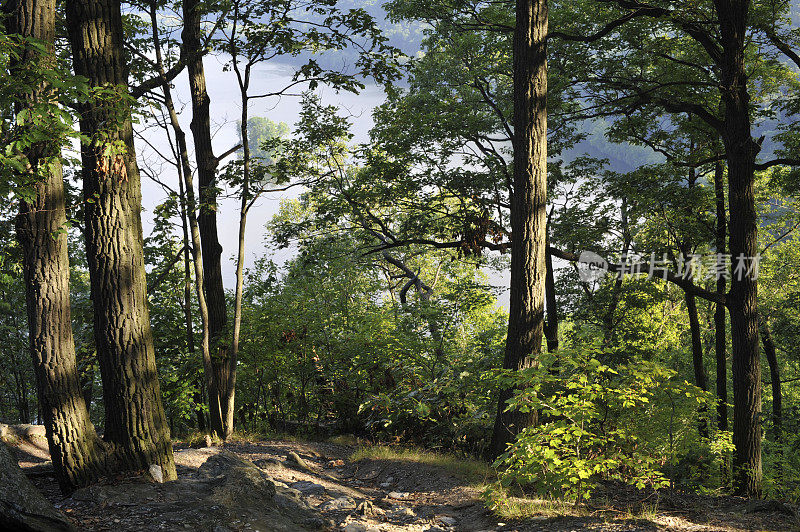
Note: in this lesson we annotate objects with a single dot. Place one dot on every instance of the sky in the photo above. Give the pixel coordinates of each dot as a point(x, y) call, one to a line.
point(225, 112)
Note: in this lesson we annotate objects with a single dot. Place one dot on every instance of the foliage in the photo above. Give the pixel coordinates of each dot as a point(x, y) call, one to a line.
point(584, 432)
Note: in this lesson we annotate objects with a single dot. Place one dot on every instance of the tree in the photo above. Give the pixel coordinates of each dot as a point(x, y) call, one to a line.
point(528, 208)
point(78, 454)
point(135, 423)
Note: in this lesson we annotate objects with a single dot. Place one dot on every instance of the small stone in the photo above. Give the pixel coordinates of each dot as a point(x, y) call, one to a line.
point(385, 484)
point(367, 509)
point(356, 526)
point(342, 503)
point(404, 513)
point(308, 488)
point(156, 473)
point(445, 520)
point(295, 459)
point(400, 495)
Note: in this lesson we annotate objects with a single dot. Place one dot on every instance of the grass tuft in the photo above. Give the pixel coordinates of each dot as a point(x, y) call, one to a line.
point(473, 471)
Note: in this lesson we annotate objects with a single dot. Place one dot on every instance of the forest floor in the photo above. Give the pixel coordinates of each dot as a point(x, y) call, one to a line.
point(354, 489)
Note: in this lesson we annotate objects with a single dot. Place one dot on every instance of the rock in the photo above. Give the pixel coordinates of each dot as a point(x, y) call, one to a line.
point(309, 488)
point(341, 503)
point(404, 514)
point(445, 520)
point(435, 529)
point(368, 475)
point(30, 431)
point(769, 506)
point(334, 463)
point(294, 459)
point(245, 484)
point(367, 509)
point(356, 526)
point(156, 473)
point(22, 506)
point(385, 484)
point(399, 495)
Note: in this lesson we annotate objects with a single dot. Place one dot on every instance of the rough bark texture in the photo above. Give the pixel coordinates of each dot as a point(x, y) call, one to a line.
point(700, 377)
point(741, 150)
point(207, 218)
point(135, 421)
point(77, 453)
point(720, 327)
point(775, 378)
point(528, 208)
point(22, 507)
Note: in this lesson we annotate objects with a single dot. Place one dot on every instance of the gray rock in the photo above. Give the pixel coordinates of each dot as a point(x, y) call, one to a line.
point(445, 520)
point(22, 506)
point(356, 526)
point(399, 495)
point(308, 488)
point(404, 514)
point(156, 473)
point(341, 503)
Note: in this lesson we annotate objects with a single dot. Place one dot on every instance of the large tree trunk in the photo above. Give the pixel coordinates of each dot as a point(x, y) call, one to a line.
point(528, 209)
point(741, 150)
point(207, 218)
point(77, 453)
point(700, 377)
point(135, 421)
point(775, 378)
point(720, 327)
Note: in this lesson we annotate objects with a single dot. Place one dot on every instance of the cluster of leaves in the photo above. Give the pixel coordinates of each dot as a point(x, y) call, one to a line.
point(585, 434)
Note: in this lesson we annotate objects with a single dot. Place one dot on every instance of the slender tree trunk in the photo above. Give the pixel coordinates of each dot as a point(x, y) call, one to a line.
point(720, 327)
point(187, 187)
point(78, 454)
point(741, 151)
point(775, 377)
point(700, 377)
point(135, 421)
point(528, 209)
point(230, 391)
point(207, 218)
point(551, 307)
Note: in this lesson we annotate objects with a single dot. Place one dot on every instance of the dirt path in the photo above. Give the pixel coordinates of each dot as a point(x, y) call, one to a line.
point(386, 495)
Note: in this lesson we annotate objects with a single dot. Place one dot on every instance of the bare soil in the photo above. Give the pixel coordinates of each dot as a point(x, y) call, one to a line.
point(382, 495)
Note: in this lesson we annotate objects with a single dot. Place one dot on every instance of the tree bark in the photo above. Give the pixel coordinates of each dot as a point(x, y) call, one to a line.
point(720, 327)
point(77, 453)
point(207, 218)
point(135, 421)
point(775, 378)
point(700, 377)
point(551, 307)
point(528, 209)
point(741, 151)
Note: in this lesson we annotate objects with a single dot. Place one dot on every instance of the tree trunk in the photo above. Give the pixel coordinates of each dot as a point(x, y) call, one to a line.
point(207, 218)
point(135, 421)
point(551, 307)
point(720, 327)
point(741, 151)
point(700, 378)
point(77, 453)
point(775, 377)
point(528, 209)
